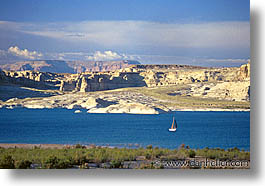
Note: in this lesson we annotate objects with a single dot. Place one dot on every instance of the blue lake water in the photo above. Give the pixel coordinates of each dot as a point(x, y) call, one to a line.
point(62, 126)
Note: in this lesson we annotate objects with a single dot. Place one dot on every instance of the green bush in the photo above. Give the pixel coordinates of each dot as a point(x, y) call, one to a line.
point(7, 162)
point(116, 164)
point(148, 156)
point(51, 162)
point(182, 154)
point(192, 153)
point(23, 164)
point(55, 163)
point(79, 146)
point(149, 147)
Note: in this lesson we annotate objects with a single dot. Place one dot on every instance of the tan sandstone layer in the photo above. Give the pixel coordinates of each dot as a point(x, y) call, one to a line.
point(184, 84)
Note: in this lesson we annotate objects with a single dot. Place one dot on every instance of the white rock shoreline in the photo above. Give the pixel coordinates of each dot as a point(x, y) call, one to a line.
point(214, 110)
point(102, 110)
point(114, 102)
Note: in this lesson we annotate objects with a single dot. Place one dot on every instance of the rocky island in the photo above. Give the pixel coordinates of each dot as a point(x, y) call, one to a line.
point(125, 87)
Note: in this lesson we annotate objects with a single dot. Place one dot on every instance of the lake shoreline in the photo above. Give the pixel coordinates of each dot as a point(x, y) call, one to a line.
point(31, 145)
point(213, 110)
point(176, 110)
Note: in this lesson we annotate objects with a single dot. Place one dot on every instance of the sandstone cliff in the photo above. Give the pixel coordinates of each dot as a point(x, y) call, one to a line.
point(135, 76)
point(244, 71)
point(175, 82)
point(152, 76)
point(31, 79)
point(102, 81)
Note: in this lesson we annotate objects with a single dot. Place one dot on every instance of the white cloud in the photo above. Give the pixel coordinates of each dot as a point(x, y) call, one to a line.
point(96, 56)
point(104, 56)
point(151, 42)
point(109, 56)
point(24, 53)
point(7, 55)
point(14, 53)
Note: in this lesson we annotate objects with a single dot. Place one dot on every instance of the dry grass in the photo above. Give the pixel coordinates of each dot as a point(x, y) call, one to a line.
point(177, 101)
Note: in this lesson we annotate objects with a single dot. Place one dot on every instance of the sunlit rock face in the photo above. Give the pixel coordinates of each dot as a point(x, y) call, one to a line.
point(221, 83)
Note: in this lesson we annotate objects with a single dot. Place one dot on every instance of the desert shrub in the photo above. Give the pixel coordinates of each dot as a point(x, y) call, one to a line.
point(7, 162)
point(51, 162)
point(149, 147)
point(182, 154)
point(23, 164)
point(79, 146)
point(101, 156)
point(212, 154)
point(147, 166)
point(66, 158)
point(148, 156)
point(79, 158)
point(54, 162)
point(244, 156)
point(116, 164)
point(191, 153)
point(157, 153)
point(63, 164)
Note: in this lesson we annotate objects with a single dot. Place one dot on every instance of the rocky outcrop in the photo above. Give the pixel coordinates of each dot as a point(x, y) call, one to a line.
point(244, 71)
point(145, 75)
point(232, 91)
point(132, 103)
point(218, 83)
point(102, 81)
point(180, 87)
point(165, 67)
point(30, 79)
point(152, 76)
point(124, 107)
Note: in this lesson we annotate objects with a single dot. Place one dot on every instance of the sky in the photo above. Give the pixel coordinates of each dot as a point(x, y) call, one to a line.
point(196, 32)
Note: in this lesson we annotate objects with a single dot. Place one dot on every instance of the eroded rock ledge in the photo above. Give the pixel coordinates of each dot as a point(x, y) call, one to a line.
point(74, 91)
point(119, 102)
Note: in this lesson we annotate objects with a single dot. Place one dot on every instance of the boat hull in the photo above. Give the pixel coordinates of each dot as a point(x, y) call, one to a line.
point(172, 130)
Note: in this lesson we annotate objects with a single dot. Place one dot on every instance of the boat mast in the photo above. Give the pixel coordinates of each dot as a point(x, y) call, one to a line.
point(173, 123)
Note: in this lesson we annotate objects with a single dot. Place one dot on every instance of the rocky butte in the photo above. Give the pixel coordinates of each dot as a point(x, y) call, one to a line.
point(133, 88)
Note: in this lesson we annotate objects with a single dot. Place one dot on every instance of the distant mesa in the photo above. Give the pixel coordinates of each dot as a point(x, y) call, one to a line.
point(59, 66)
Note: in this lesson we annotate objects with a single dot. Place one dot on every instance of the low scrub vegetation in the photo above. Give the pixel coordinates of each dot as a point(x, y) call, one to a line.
point(81, 157)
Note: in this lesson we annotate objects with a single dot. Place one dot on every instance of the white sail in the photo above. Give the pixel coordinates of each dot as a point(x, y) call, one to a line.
point(173, 126)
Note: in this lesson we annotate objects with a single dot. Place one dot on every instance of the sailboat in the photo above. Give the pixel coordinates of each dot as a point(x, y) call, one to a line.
point(173, 126)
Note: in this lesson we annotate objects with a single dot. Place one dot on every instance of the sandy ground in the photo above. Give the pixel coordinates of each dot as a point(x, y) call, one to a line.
point(30, 146)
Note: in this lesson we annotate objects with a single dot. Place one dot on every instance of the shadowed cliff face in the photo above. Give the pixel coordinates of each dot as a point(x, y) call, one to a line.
point(32, 79)
point(103, 81)
point(58, 66)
